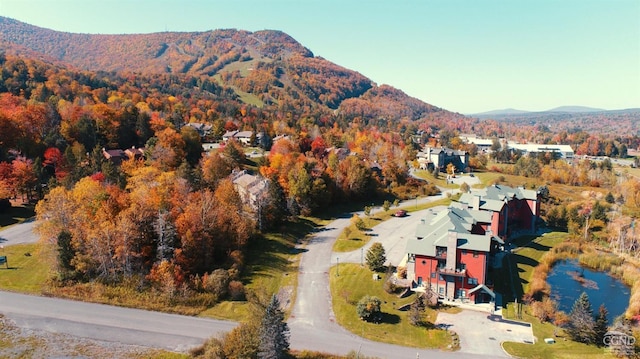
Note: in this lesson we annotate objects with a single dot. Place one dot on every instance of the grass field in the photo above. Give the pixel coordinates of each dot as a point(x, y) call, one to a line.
point(353, 283)
point(28, 271)
point(563, 348)
point(528, 255)
point(274, 269)
point(441, 181)
point(489, 178)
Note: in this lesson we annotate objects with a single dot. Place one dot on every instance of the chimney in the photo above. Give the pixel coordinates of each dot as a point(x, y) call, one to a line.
point(476, 203)
point(452, 246)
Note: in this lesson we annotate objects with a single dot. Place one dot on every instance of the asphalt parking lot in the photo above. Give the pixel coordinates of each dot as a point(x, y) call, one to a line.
point(393, 234)
point(483, 333)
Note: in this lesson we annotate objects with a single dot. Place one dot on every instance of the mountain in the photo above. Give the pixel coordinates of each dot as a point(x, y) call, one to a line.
point(513, 112)
point(263, 68)
point(575, 109)
point(503, 112)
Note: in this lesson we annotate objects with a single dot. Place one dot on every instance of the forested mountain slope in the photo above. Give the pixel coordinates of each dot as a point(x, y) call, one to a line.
point(263, 67)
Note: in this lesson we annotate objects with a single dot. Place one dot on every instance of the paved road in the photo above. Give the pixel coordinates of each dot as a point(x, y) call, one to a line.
point(19, 233)
point(109, 323)
point(312, 320)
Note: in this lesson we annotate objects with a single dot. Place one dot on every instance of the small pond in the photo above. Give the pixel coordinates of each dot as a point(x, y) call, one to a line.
point(568, 280)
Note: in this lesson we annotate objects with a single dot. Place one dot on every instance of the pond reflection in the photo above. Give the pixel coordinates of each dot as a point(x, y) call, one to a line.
point(568, 280)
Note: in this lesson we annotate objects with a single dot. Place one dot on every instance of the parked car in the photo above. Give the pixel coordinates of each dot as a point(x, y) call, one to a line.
point(401, 213)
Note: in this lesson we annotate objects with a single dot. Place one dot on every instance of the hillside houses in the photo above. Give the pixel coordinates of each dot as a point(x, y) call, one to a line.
point(453, 249)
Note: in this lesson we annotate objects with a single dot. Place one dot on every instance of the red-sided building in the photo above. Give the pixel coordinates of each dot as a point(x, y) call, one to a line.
point(453, 248)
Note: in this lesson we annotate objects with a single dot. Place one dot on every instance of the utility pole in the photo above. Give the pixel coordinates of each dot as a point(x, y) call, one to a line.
point(337, 266)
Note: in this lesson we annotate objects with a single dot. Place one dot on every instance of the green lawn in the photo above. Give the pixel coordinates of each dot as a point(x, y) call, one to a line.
point(563, 348)
point(28, 270)
point(441, 181)
point(489, 178)
point(528, 255)
point(352, 284)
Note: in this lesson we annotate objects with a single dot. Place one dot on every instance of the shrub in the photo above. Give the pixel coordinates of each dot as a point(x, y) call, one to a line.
point(545, 310)
point(217, 283)
point(402, 272)
point(236, 290)
point(358, 222)
point(376, 257)
point(390, 287)
point(368, 308)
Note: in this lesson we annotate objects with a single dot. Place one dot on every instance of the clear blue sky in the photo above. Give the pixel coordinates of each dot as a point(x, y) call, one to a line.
point(466, 56)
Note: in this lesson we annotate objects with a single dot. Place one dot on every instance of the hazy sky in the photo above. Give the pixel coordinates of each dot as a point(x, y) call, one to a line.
point(466, 56)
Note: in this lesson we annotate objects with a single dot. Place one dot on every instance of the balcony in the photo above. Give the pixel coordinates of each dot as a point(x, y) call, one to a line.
point(458, 272)
point(441, 255)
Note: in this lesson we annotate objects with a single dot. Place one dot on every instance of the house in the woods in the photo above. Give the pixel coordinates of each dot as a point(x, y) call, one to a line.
point(203, 129)
point(251, 188)
point(117, 156)
point(244, 137)
point(453, 250)
point(439, 157)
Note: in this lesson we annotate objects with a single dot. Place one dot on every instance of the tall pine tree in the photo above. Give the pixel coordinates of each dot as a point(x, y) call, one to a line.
point(274, 333)
point(601, 325)
point(581, 326)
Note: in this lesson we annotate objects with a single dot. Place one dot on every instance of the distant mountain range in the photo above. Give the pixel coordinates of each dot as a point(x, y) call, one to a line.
point(512, 111)
point(570, 118)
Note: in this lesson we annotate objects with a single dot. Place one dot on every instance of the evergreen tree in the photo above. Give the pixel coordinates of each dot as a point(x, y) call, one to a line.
point(274, 333)
point(581, 326)
point(416, 310)
point(601, 325)
point(376, 257)
point(610, 198)
point(66, 253)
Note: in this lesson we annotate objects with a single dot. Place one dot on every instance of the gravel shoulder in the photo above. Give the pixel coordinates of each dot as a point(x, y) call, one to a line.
point(17, 342)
